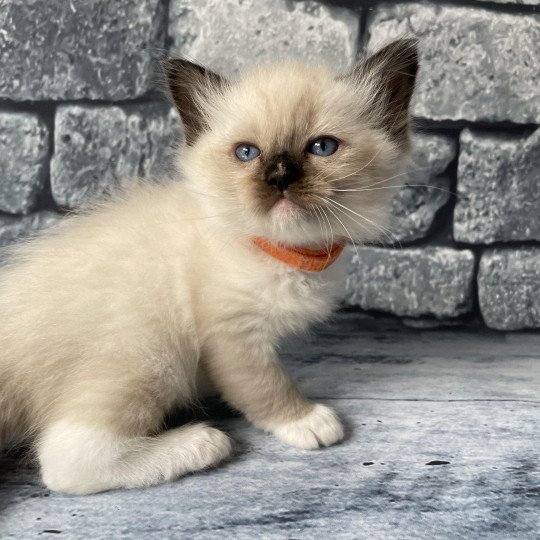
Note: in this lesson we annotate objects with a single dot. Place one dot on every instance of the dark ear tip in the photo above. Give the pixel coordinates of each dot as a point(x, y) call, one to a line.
point(165, 67)
point(406, 48)
point(175, 65)
point(401, 53)
point(405, 52)
point(410, 47)
point(182, 69)
point(169, 67)
point(408, 43)
point(167, 63)
point(411, 50)
point(187, 82)
point(405, 44)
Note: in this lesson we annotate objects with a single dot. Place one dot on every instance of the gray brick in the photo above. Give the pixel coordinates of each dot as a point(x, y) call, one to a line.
point(509, 288)
point(427, 190)
point(429, 323)
point(476, 64)
point(99, 49)
point(521, 2)
point(411, 282)
point(98, 147)
point(24, 151)
point(14, 228)
point(498, 188)
point(205, 31)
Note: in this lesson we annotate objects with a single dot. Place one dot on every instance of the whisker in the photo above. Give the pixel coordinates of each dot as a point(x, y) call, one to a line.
point(336, 180)
point(302, 228)
point(389, 235)
point(326, 234)
point(216, 196)
point(348, 217)
point(347, 231)
point(206, 217)
point(387, 232)
point(382, 181)
point(398, 186)
point(321, 177)
point(330, 229)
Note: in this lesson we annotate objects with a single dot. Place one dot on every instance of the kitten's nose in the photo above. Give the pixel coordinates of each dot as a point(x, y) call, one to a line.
point(282, 172)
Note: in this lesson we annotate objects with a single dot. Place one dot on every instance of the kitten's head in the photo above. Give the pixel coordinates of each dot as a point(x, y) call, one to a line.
point(294, 152)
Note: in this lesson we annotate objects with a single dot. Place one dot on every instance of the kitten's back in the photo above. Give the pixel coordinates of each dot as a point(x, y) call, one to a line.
point(99, 279)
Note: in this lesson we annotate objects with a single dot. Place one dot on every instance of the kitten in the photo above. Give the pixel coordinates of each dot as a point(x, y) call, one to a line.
point(125, 312)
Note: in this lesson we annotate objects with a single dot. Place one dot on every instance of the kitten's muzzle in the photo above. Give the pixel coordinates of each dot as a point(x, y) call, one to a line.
point(282, 171)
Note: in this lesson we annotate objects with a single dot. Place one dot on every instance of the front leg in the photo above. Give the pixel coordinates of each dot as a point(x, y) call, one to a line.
point(253, 381)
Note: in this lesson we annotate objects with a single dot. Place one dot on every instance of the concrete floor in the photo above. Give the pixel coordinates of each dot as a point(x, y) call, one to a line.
point(443, 442)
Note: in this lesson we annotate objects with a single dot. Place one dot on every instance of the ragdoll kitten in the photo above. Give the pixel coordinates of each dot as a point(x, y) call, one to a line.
point(136, 307)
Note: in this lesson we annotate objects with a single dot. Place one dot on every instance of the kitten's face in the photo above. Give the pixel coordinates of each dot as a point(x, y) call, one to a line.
point(296, 153)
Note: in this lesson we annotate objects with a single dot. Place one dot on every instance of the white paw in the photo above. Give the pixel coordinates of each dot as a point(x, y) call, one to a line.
point(210, 445)
point(320, 427)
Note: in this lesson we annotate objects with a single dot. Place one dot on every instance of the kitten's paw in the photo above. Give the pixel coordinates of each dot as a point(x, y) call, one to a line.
point(210, 446)
point(320, 427)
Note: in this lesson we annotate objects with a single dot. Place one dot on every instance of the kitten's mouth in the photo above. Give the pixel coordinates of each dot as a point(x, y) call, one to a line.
point(285, 206)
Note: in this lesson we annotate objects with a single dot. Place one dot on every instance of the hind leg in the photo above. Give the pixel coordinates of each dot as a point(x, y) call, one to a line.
point(79, 460)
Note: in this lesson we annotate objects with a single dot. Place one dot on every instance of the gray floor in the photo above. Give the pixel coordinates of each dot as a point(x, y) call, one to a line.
point(443, 442)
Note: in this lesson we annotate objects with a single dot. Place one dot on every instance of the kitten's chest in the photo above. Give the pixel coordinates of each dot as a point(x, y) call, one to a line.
point(288, 300)
point(252, 295)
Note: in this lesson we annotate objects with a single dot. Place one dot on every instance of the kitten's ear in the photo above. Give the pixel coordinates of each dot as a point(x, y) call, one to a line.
point(393, 71)
point(188, 85)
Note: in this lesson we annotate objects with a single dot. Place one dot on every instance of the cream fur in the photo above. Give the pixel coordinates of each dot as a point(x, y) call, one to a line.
point(123, 313)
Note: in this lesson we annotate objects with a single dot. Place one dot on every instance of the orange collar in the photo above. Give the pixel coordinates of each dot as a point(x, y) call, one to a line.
point(310, 260)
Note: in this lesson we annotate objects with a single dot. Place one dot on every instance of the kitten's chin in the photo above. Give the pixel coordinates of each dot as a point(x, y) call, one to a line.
point(285, 209)
point(288, 222)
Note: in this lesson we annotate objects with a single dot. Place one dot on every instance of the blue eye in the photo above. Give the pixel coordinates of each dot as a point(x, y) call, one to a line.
point(325, 146)
point(247, 152)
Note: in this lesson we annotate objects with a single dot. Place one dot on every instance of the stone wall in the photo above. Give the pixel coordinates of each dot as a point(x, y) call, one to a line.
point(81, 108)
